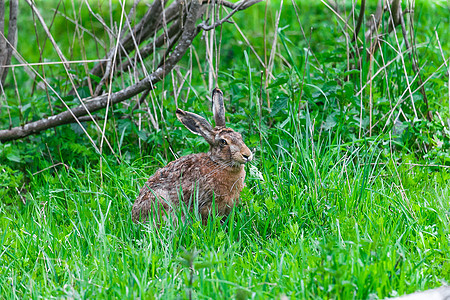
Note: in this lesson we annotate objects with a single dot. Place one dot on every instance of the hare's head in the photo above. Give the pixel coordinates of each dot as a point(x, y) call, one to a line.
point(227, 146)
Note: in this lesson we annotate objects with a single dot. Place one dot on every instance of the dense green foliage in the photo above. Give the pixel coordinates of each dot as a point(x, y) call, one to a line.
point(329, 211)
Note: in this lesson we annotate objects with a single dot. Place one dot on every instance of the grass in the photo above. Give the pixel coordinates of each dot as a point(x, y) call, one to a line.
point(322, 221)
point(329, 211)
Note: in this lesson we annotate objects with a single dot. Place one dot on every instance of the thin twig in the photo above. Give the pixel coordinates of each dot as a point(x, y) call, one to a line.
point(206, 27)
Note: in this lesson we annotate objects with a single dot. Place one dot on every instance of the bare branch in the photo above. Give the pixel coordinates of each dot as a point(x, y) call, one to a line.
point(3, 43)
point(243, 4)
point(205, 27)
point(145, 28)
point(100, 102)
point(181, 39)
point(5, 49)
point(149, 49)
point(360, 20)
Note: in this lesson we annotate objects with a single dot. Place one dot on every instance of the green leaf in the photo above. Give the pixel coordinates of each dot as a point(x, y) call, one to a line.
point(280, 80)
point(15, 157)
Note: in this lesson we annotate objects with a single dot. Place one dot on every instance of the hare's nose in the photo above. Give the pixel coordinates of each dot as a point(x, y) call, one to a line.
point(247, 156)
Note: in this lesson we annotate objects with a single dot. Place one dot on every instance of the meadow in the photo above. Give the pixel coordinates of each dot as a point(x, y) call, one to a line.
point(347, 197)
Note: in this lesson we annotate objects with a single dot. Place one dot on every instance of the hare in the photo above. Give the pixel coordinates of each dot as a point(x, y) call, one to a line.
point(197, 179)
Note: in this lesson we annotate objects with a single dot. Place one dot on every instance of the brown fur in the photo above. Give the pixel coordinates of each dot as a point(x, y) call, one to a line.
point(197, 177)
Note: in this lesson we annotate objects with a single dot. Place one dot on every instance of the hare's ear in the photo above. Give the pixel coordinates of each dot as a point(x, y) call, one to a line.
point(196, 124)
point(218, 107)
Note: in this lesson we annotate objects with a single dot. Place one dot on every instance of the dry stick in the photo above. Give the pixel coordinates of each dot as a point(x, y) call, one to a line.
point(371, 59)
point(27, 69)
point(376, 21)
point(209, 45)
point(136, 45)
point(219, 47)
point(146, 27)
point(391, 111)
point(112, 36)
point(304, 35)
point(393, 22)
point(13, 133)
point(139, 102)
point(170, 47)
point(153, 116)
point(266, 82)
point(113, 63)
point(395, 10)
point(80, 27)
point(370, 97)
point(83, 50)
point(413, 165)
point(41, 49)
point(72, 115)
point(358, 54)
point(269, 67)
point(18, 96)
point(339, 17)
point(250, 45)
point(357, 51)
point(149, 49)
point(46, 63)
point(181, 84)
point(190, 74)
point(199, 65)
point(163, 22)
point(445, 61)
point(206, 27)
point(3, 43)
point(412, 56)
point(131, 13)
point(382, 68)
point(109, 70)
point(35, 81)
point(400, 101)
point(213, 48)
point(65, 65)
point(371, 49)
point(49, 35)
point(108, 29)
point(50, 167)
point(347, 45)
point(2, 96)
point(359, 22)
point(100, 102)
point(260, 107)
point(304, 73)
point(12, 35)
point(440, 49)
point(3, 52)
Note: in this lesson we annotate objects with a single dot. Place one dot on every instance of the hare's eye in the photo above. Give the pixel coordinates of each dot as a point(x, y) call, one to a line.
point(223, 142)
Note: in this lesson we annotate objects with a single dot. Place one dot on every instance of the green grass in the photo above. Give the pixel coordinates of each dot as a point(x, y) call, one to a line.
point(329, 212)
point(323, 221)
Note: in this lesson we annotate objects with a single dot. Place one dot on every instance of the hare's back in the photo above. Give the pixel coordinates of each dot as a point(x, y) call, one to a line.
point(166, 181)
